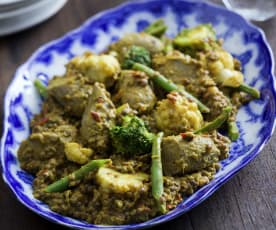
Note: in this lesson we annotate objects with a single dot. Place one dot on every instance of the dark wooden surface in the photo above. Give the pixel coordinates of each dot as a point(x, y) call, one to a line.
point(248, 201)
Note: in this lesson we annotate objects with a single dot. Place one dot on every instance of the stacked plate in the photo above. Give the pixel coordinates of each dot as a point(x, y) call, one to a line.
point(16, 15)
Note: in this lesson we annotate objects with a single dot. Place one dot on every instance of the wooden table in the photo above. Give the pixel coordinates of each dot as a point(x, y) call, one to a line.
point(248, 201)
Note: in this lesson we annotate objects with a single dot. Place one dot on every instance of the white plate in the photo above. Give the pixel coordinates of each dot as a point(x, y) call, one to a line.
point(6, 5)
point(9, 2)
point(29, 15)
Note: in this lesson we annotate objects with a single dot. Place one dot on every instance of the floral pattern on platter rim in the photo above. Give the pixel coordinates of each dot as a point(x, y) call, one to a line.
point(256, 120)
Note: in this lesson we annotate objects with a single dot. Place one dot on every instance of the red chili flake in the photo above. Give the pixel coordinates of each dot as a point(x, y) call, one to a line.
point(96, 116)
point(142, 81)
point(100, 100)
point(45, 109)
point(43, 172)
point(138, 74)
point(174, 94)
point(42, 121)
point(172, 97)
point(183, 135)
point(190, 100)
point(188, 136)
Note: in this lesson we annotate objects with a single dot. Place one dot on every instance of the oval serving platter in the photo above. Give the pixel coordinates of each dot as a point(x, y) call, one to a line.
point(246, 42)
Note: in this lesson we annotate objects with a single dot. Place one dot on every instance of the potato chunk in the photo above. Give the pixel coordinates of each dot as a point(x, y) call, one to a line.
point(117, 182)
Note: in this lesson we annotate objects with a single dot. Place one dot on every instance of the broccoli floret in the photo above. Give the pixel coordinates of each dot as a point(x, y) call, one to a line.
point(195, 38)
point(132, 137)
point(136, 54)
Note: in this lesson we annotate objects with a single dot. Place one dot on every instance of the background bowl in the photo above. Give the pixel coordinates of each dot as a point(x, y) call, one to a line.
point(256, 120)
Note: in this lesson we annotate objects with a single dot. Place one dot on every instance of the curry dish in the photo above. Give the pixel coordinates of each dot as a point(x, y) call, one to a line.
point(125, 135)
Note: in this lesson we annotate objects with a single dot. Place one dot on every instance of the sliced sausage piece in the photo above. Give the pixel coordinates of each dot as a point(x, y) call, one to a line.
point(98, 117)
point(183, 155)
point(179, 68)
point(39, 148)
point(152, 44)
point(134, 89)
point(71, 93)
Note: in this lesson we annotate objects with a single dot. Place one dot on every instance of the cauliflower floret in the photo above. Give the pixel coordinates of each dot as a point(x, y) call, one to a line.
point(112, 180)
point(74, 152)
point(177, 114)
point(231, 78)
point(101, 68)
point(223, 70)
point(226, 59)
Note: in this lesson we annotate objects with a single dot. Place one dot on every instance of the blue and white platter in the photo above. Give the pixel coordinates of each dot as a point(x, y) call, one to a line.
point(246, 42)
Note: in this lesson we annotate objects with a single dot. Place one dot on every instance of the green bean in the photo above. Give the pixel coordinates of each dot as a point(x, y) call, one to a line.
point(62, 184)
point(168, 45)
point(250, 90)
point(41, 88)
point(216, 123)
point(156, 173)
point(233, 130)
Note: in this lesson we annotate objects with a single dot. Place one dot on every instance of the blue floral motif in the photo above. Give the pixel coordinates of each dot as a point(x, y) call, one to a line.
point(14, 117)
point(9, 138)
point(244, 57)
point(25, 177)
point(142, 24)
point(256, 121)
